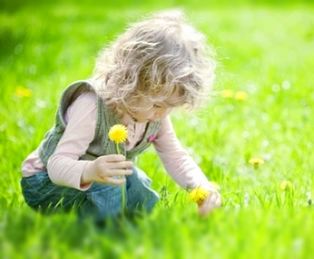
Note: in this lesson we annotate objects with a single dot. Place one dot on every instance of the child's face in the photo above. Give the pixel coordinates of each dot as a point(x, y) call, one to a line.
point(148, 111)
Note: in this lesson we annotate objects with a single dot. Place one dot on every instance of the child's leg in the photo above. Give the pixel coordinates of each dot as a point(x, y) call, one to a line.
point(99, 202)
point(139, 194)
point(102, 201)
point(43, 195)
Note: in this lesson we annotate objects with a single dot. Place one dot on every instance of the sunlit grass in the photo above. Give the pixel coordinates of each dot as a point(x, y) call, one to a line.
point(262, 109)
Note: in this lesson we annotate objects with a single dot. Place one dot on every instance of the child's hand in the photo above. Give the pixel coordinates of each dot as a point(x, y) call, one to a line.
point(105, 169)
point(212, 201)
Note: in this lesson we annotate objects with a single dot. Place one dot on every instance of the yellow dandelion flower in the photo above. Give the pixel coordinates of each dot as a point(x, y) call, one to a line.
point(286, 185)
point(241, 96)
point(199, 195)
point(256, 161)
point(227, 93)
point(21, 91)
point(118, 133)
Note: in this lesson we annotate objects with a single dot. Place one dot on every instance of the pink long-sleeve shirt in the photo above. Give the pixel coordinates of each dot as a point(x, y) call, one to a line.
point(65, 169)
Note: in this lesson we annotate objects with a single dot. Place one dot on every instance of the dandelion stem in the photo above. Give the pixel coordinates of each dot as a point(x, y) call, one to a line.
point(118, 148)
point(123, 190)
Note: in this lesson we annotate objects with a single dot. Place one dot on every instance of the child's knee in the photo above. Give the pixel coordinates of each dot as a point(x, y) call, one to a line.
point(103, 201)
point(138, 177)
point(44, 196)
point(140, 196)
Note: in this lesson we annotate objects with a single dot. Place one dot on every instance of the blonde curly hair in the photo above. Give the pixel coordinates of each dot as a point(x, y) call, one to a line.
point(153, 59)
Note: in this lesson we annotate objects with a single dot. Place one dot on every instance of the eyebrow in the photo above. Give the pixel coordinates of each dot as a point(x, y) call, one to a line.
point(168, 104)
point(179, 101)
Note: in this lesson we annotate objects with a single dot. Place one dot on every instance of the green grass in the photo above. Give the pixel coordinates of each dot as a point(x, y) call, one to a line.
point(266, 50)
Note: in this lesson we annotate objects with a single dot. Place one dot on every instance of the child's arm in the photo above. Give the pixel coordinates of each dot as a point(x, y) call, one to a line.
point(181, 166)
point(65, 168)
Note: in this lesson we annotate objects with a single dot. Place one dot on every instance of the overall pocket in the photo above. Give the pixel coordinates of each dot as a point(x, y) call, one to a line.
point(33, 188)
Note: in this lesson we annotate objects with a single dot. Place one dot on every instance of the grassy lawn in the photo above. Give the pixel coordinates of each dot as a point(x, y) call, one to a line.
point(262, 107)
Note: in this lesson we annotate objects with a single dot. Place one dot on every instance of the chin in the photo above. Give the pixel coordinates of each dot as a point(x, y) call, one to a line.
point(142, 120)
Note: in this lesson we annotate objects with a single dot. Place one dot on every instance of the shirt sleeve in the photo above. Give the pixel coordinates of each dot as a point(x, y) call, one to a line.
point(180, 166)
point(64, 167)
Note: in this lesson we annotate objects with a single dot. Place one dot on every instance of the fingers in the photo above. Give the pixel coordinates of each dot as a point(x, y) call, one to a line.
point(120, 172)
point(114, 158)
point(212, 202)
point(122, 165)
point(218, 201)
point(117, 161)
point(118, 168)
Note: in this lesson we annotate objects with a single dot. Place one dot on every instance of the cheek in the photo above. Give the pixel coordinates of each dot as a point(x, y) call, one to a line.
point(145, 114)
point(162, 112)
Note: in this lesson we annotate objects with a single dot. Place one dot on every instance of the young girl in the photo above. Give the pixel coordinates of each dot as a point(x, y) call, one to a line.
point(155, 66)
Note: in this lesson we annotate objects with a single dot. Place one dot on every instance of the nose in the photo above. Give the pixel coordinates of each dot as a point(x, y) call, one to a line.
point(160, 113)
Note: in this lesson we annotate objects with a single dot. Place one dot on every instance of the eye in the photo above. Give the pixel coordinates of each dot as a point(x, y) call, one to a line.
point(157, 106)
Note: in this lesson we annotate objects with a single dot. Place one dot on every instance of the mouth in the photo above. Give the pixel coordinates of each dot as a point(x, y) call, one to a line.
point(136, 120)
point(133, 118)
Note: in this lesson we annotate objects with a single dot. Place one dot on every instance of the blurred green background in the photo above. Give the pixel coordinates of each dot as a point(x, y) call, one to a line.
point(262, 108)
